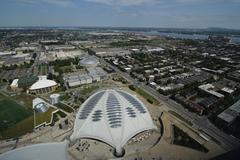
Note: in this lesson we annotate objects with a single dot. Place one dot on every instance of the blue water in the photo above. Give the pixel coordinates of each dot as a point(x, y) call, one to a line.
point(177, 35)
point(233, 39)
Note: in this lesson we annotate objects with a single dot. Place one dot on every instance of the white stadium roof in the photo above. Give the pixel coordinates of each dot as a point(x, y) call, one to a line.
point(42, 151)
point(43, 82)
point(89, 61)
point(112, 116)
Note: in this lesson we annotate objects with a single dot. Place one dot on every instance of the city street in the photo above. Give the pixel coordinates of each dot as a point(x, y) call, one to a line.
point(227, 142)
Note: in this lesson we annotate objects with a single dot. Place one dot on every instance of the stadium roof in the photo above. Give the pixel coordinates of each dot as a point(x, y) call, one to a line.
point(42, 151)
point(112, 116)
point(89, 61)
point(43, 82)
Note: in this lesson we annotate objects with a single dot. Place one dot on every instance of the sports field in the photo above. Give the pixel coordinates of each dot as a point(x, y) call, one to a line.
point(11, 113)
point(16, 116)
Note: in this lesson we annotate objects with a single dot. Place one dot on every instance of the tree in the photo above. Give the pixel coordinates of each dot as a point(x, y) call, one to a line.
point(60, 126)
point(66, 121)
point(132, 87)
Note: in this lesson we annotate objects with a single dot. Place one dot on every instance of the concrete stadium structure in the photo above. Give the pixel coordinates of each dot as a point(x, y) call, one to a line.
point(112, 116)
point(42, 151)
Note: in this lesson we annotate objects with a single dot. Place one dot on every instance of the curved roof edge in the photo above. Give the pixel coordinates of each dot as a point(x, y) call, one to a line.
point(138, 132)
point(43, 151)
point(43, 84)
point(112, 144)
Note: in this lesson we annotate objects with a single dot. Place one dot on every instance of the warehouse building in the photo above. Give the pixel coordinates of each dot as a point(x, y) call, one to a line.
point(94, 74)
point(230, 114)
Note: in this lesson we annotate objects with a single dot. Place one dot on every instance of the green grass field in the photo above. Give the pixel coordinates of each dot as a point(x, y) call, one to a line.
point(88, 89)
point(44, 117)
point(64, 107)
point(25, 100)
point(1, 96)
point(19, 129)
point(180, 117)
point(26, 126)
point(17, 119)
point(144, 94)
point(11, 113)
point(43, 69)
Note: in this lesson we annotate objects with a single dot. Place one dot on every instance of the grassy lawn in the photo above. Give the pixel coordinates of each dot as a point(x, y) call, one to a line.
point(147, 96)
point(56, 117)
point(11, 113)
point(25, 100)
point(120, 79)
point(180, 117)
point(61, 114)
point(65, 69)
point(44, 117)
point(65, 107)
point(88, 89)
point(183, 139)
point(43, 69)
point(19, 129)
point(1, 96)
point(17, 120)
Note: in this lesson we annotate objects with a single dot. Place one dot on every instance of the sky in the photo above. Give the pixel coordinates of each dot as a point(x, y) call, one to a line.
point(121, 13)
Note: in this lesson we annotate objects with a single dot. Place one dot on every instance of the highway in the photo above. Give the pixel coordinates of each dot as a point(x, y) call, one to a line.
point(228, 142)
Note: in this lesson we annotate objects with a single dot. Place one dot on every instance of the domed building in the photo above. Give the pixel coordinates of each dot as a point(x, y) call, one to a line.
point(113, 117)
point(39, 105)
point(43, 85)
point(89, 61)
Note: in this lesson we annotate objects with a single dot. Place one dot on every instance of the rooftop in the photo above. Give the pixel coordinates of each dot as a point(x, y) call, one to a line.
point(43, 151)
point(43, 82)
point(112, 116)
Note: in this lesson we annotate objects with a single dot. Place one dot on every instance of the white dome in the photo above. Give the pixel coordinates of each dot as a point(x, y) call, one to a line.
point(112, 116)
point(39, 105)
point(43, 83)
point(89, 61)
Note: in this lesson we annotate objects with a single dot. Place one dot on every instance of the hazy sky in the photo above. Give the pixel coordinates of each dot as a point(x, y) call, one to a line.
point(121, 13)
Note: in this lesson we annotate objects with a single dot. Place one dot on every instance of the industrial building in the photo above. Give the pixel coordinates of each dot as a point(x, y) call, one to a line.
point(54, 98)
point(7, 53)
point(229, 115)
point(112, 116)
point(209, 88)
point(94, 74)
point(109, 51)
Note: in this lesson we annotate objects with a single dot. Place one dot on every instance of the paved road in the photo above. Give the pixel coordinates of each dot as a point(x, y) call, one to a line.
point(34, 67)
point(199, 122)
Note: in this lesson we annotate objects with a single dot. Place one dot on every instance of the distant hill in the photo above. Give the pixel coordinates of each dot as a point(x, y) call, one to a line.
point(211, 30)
